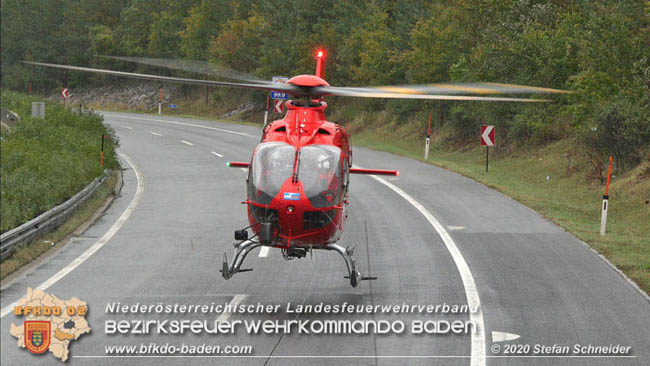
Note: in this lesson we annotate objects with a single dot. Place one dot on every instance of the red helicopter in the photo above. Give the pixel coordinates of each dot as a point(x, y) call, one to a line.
point(298, 176)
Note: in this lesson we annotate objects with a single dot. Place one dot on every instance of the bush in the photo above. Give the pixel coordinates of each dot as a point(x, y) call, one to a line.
point(46, 161)
point(621, 130)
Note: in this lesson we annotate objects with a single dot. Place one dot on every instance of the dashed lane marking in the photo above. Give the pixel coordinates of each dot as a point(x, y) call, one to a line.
point(233, 303)
point(264, 252)
point(503, 337)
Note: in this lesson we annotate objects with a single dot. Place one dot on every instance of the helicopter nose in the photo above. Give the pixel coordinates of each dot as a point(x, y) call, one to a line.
point(290, 210)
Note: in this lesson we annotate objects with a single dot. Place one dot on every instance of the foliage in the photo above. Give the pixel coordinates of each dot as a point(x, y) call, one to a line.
point(46, 161)
point(236, 44)
point(598, 50)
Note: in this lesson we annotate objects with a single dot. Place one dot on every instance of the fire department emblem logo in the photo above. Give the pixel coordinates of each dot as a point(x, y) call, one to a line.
point(37, 335)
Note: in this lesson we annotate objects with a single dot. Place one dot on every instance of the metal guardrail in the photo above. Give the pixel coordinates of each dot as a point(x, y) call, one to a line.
point(47, 221)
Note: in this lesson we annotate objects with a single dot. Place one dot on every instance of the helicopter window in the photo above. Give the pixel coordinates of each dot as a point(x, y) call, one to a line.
point(272, 166)
point(320, 174)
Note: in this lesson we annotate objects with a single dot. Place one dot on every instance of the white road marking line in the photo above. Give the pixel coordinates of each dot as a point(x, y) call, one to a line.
point(99, 243)
point(452, 227)
point(471, 292)
point(264, 252)
point(217, 154)
point(187, 143)
point(156, 133)
point(182, 124)
point(503, 336)
point(127, 127)
point(233, 303)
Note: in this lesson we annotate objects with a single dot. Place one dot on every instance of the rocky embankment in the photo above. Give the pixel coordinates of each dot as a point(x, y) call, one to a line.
point(143, 96)
point(140, 96)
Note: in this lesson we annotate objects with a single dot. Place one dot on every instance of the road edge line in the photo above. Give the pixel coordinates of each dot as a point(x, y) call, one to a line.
point(471, 292)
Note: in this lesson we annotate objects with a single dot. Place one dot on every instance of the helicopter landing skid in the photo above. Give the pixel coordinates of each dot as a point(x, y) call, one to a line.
point(350, 263)
point(241, 251)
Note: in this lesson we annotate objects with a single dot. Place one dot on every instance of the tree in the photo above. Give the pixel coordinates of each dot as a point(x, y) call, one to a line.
point(201, 25)
point(134, 28)
point(237, 45)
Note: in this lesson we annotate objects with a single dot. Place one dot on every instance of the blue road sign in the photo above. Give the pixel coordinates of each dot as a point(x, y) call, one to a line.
point(279, 95)
point(173, 106)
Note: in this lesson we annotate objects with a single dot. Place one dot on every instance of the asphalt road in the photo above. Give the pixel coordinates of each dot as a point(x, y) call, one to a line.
point(431, 236)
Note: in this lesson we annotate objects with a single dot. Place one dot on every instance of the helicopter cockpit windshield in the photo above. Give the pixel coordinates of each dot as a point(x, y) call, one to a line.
point(319, 171)
point(272, 166)
point(320, 174)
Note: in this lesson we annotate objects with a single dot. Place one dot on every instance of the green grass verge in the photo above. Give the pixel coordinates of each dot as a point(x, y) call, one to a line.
point(40, 246)
point(46, 161)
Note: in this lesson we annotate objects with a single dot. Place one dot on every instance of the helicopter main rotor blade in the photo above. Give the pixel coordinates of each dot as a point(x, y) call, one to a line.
point(287, 88)
point(195, 66)
point(376, 93)
point(476, 88)
point(447, 91)
point(425, 92)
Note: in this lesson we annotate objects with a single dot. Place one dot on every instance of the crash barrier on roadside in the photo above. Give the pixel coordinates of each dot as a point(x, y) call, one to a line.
point(47, 221)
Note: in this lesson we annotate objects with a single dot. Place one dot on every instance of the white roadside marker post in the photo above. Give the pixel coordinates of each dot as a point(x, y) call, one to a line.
point(160, 95)
point(266, 111)
point(603, 217)
point(428, 140)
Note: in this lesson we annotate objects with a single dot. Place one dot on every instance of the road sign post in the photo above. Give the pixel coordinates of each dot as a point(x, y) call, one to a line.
point(603, 216)
point(487, 140)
